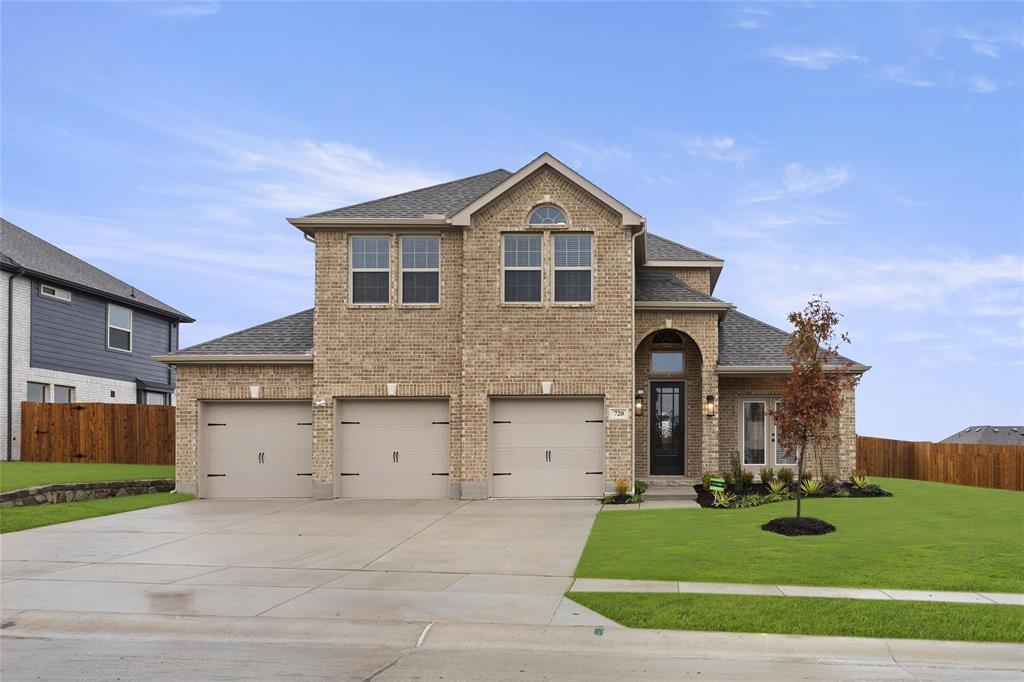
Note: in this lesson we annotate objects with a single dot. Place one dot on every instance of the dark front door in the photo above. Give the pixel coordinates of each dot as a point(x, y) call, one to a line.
point(667, 425)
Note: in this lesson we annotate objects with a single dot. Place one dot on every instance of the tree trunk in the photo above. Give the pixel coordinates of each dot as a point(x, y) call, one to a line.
point(799, 477)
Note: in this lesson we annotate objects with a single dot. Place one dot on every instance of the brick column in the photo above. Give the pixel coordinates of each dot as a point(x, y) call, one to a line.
point(323, 450)
point(848, 436)
point(709, 439)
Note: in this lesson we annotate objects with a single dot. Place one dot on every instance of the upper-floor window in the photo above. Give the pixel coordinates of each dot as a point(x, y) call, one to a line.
point(421, 269)
point(572, 268)
point(119, 327)
point(547, 215)
point(521, 268)
point(54, 292)
point(36, 392)
point(371, 266)
point(63, 394)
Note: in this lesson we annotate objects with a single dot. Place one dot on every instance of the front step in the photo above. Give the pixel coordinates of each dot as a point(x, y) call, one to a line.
point(673, 492)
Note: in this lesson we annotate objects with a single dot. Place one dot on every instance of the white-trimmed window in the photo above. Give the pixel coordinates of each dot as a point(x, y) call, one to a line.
point(155, 398)
point(371, 269)
point(754, 430)
point(421, 270)
point(119, 328)
point(53, 292)
point(521, 268)
point(37, 392)
point(63, 394)
point(573, 268)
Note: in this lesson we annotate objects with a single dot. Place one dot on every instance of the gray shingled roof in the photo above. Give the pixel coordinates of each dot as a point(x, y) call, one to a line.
point(290, 335)
point(988, 435)
point(20, 248)
point(445, 199)
point(659, 248)
point(746, 342)
point(662, 286)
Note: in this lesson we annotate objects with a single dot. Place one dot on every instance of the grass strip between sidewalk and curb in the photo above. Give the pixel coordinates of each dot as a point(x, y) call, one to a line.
point(809, 616)
point(18, 475)
point(23, 518)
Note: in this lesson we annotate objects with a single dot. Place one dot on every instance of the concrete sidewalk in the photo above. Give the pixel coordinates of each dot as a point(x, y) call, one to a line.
point(603, 585)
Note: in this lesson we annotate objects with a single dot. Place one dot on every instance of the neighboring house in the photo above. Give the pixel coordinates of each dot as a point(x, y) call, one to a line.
point(988, 435)
point(504, 335)
point(73, 333)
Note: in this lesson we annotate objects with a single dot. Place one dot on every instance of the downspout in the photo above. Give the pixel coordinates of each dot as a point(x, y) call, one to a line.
point(632, 348)
point(10, 363)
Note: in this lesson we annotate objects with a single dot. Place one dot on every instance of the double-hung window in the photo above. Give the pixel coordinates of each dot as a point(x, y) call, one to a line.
point(421, 270)
point(119, 328)
point(371, 266)
point(521, 266)
point(573, 263)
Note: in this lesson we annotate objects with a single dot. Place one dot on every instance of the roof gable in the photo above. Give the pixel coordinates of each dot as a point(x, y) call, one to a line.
point(661, 249)
point(20, 249)
point(464, 216)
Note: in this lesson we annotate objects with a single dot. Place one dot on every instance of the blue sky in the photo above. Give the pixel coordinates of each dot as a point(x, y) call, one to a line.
point(871, 152)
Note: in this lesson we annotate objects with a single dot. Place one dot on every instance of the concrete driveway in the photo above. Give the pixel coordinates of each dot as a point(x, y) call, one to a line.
point(412, 560)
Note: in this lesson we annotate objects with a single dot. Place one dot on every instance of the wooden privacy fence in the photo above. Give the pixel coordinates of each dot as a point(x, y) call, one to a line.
point(988, 466)
point(97, 432)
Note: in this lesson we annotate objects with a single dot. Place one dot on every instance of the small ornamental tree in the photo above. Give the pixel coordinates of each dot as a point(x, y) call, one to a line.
point(813, 395)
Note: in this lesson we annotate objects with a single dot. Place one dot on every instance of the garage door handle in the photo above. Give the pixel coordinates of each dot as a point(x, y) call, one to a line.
point(440, 422)
point(216, 475)
point(500, 422)
point(595, 421)
point(309, 474)
point(444, 474)
point(506, 473)
point(348, 422)
point(212, 424)
point(590, 473)
point(303, 423)
point(344, 474)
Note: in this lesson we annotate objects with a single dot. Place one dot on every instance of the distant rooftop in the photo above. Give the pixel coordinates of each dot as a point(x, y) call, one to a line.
point(988, 435)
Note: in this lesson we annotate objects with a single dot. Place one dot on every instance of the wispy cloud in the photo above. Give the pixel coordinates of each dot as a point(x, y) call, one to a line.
point(721, 148)
point(901, 198)
point(992, 44)
point(766, 224)
point(749, 17)
point(599, 155)
point(916, 336)
point(980, 84)
point(797, 181)
point(813, 58)
point(186, 10)
point(905, 75)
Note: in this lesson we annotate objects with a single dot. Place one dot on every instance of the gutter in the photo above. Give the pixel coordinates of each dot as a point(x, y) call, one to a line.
point(746, 370)
point(10, 362)
point(721, 306)
point(174, 359)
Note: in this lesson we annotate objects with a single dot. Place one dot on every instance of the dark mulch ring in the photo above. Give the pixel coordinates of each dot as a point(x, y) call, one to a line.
point(799, 526)
point(706, 498)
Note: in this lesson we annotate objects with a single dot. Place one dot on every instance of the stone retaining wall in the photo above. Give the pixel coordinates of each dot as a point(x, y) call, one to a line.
point(77, 492)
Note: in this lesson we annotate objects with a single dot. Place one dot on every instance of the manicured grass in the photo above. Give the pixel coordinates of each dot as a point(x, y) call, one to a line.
point(21, 518)
point(15, 475)
point(927, 536)
point(810, 616)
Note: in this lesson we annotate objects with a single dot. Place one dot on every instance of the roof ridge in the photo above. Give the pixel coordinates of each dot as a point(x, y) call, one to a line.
point(412, 191)
point(247, 329)
point(690, 248)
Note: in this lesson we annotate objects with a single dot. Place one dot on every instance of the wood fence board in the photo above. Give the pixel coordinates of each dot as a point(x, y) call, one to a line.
point(989, 466)
point(113, 433)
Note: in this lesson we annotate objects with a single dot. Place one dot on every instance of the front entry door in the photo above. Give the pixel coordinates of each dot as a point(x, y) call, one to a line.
point(667, 427)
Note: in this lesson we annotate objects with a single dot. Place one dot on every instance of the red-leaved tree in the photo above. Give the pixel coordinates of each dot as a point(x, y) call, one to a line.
point(813, 395)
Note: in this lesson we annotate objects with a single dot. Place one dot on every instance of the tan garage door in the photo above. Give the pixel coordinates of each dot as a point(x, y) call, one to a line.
point(547, 447)
point(257, 449)
point(392, 448)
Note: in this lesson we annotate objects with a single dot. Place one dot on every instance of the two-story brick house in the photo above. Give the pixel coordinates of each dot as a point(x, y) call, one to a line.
point(505, 335)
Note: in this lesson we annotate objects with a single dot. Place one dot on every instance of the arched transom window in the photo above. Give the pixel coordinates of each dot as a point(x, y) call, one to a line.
point(547, 215)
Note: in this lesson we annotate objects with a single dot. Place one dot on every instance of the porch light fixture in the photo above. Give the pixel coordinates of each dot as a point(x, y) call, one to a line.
point(638, 407)
point(710, 406)
point(254, 392)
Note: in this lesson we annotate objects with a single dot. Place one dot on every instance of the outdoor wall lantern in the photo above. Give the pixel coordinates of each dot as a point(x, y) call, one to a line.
point(710, 406)
point(638, 408)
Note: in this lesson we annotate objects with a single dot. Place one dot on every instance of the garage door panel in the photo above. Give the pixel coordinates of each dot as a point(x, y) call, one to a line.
point(393, 485)
point(547, 447)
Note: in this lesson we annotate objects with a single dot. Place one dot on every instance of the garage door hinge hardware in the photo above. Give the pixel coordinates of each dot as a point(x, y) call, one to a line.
point(349, 422)
point(440, 422)
point(594, 472)
point(345, 474)
point(303, 423)
point(216, 475)
point(506, 473)
point(595, 421)
point(498, 422)
point(212, 424)
point(444, 474)
point(309, 474)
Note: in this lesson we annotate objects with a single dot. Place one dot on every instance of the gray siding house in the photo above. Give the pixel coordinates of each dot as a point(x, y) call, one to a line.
point(74, 333)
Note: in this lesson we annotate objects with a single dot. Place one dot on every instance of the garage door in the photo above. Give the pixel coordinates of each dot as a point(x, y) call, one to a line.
point(258, 449)
point(392, 448)
point(547, 447)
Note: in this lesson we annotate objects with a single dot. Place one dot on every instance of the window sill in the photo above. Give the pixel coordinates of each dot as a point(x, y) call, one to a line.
point(369, 306)
point(419, 306)
point(573, 304)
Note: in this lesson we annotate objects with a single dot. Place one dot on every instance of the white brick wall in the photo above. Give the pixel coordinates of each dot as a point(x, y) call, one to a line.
point(88, 389)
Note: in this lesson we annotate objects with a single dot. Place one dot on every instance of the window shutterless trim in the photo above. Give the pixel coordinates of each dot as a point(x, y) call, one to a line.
point(352, 270)
point(402, 269)
point(55, 292)
point(555, 269)
point(131, 325)
point(522, 268)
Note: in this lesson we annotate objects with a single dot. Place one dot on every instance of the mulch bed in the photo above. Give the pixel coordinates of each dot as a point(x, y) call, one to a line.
point(804, 525)
point(705, 498)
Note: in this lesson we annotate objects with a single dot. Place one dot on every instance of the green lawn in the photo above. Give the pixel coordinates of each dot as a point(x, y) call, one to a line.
point(810, 616)
point(927, 536)
point(21, 518)
point(15, 475)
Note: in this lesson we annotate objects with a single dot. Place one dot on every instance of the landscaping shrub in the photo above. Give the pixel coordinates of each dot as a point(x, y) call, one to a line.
point(767, 474)
point(811, 488)
point(785, 474)
point(777, 487)
point(745, 480)
point(723, 499)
